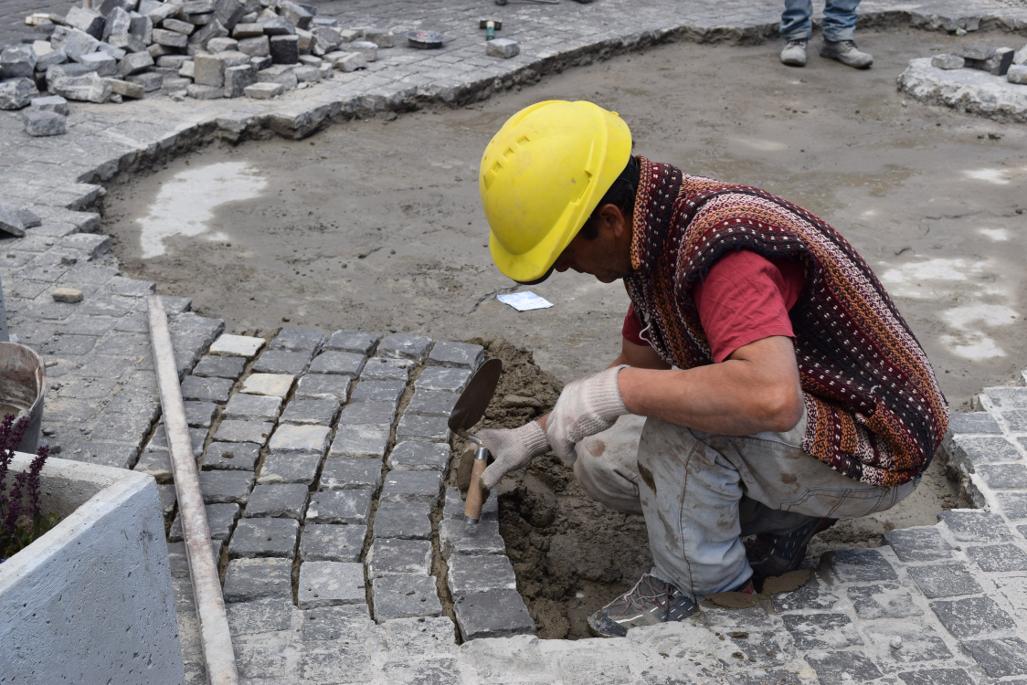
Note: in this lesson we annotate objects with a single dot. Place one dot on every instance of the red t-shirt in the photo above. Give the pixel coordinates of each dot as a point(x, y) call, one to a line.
point(744, 298)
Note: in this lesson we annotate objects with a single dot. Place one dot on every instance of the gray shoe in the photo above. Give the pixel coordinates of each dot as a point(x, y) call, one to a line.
point(794, 53)
point(846, 52)
point(649, 602)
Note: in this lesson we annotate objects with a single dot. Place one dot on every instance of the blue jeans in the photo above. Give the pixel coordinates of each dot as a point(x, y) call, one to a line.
point(839, 19)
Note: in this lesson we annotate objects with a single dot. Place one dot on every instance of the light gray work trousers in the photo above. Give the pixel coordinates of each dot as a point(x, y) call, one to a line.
point(700, 492)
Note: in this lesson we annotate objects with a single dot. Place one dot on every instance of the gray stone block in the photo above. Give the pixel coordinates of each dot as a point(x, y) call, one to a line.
point(155, 461)
point(87, 88)
point(453, 507)
point(364, 413)
point(262, 615)
point(86, 20)
point(418, 455)
point(378, 391)
point(298, 15)
point(238, 79)
point(412, 485)
point(998, 558)
point(502, 47)
point(858, 565)
point(433, 402)
point(821, 631)
point(290, 467)
point(366, 49)
point(459, 537)
point(973, 422)
point(1017, 74)
point(443, 378)
point(812, 595)
point(351, 622)
point(221, 519)
point(1013, 505)
point(404, 596)
point(341, 473)
point(311, 411)
point(251, 579)
point(972, 616)
point(323, 386)
point(199, 414)
point(493, 613)
point(259, 46)
point(207, 389)
point(1000, 657)
point(134, 63)
point(332, 542)
point(918, 544)
point(409, 520)
point(243, 430)
point(285, 49)
point(170, 39)
point(264, 537)
point(369, 441)
point(328, 583)
point(415, 426)
point(17, 61)
point(389, 556)
point(300, 438)
point(281, 361)
point(971, 451)
point(886, 600)
point(40, 124)
point(229, 12)
point(971, 525)
point(351, 341)
point(943, 580)
point(178, 26)
point(379, 368)
point(340, 506)
point(478, 573)
point(51, 103)
point(232, 456)
point(225, 486)
point(271, 384)
point(937, 676)
point(838, 668)
point(287, 500)
point(208, 70)
point(347, 61)
point(404, 346)
point(244, 406)
point(338, 362)
point(263, 91)
point(150, 82)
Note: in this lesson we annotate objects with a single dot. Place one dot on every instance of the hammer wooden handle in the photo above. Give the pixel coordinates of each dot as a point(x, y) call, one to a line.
point(475, 492)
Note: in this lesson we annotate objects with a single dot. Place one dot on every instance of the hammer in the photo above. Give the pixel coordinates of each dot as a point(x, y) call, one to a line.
point(467, 411)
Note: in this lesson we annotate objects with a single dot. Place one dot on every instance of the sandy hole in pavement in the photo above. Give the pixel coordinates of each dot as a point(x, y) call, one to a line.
point(376, 225)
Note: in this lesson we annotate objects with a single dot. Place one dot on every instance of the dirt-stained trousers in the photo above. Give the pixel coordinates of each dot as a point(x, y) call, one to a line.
point(699, 493)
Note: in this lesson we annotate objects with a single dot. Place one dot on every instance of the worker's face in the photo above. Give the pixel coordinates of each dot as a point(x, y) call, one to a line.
point(606, 256)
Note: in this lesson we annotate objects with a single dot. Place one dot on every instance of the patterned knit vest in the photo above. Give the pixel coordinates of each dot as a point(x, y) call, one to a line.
point(875, 411)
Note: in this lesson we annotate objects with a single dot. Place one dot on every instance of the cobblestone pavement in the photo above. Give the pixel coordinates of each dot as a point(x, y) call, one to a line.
point(323, 452)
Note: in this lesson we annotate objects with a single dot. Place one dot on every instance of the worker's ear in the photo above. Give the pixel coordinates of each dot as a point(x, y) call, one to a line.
point(612, 219)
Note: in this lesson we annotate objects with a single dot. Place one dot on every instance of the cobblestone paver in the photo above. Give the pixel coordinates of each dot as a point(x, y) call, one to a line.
point(344, 557)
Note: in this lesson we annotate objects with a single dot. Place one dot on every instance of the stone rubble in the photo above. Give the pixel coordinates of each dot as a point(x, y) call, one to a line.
point(206, 50)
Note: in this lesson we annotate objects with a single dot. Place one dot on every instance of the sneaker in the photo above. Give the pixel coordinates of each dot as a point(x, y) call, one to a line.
point(771, 555)
point(846, 52)
point(794, 53)
point(649, 602)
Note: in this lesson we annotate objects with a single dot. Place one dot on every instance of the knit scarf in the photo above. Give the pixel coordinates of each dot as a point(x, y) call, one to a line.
point(875, 411)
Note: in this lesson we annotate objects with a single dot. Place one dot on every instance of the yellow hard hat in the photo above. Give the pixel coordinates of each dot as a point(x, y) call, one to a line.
point(541, 177)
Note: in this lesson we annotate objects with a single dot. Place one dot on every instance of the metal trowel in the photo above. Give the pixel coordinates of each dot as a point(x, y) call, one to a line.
point(467, 411)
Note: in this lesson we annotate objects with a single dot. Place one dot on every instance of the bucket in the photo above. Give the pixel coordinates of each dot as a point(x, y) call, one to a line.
point(22, 386)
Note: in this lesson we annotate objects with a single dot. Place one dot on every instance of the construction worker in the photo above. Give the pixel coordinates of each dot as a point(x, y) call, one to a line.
point(781, 389)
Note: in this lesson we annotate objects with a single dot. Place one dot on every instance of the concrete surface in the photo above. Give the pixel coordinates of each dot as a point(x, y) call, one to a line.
point(91, 600)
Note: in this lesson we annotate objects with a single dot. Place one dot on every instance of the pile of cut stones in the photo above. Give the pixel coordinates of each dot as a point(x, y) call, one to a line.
point(995, 61)
point(205, 49)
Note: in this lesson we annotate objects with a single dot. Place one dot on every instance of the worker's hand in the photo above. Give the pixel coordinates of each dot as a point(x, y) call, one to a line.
point(585, 407)
point(512, 449)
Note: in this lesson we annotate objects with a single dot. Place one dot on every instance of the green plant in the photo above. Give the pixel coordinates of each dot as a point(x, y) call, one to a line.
point(21, 520)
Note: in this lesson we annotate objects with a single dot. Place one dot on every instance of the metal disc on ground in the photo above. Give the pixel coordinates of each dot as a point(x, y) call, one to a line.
point(425, 40)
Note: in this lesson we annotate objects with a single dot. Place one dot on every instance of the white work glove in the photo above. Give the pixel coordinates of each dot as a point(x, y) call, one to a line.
point(512, 448)
point(585, 407)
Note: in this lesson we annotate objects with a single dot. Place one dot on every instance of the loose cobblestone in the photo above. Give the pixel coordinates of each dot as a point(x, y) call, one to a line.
point(264, 538)
point(290, 467)
point(405, 596)
point(286, 500)
point(332, 542)
point(232, 456)
point(326, 583)
point(245, 406)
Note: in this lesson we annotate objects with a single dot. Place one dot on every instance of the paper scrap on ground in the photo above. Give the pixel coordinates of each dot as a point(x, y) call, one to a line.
point(524, 301)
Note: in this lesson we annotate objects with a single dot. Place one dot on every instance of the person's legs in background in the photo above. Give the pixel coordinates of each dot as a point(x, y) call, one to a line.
point(839, 27)
point(796, 28)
